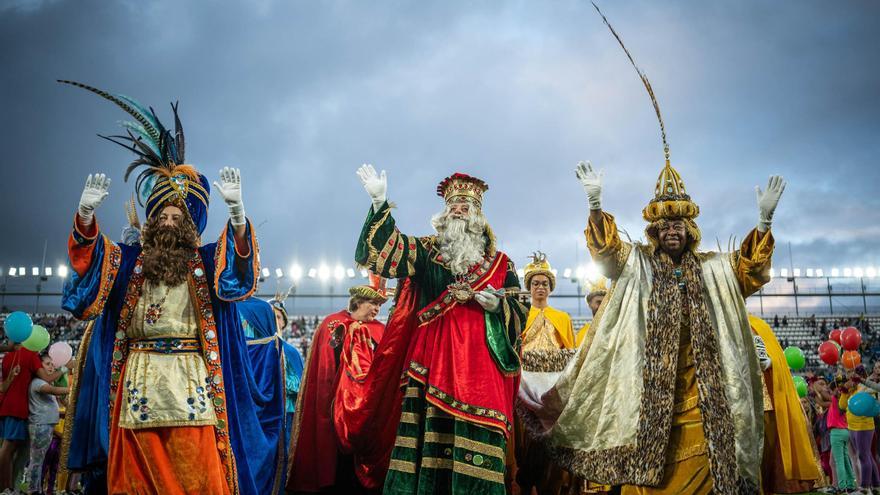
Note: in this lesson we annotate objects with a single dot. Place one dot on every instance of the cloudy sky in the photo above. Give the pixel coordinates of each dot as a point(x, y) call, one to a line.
point(299, 94)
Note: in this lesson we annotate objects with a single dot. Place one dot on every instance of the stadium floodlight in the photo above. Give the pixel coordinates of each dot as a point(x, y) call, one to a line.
point(847, 272)
point(772, 272)
point(338, 272)
point(313, 272)
point(365, 273)
point(870, 272)
point(264, 272)
point(554, 271)
point(35, 271)
point(323, 272)
point(783, 272)
point(62, 271)
point(295, 272)
point(858, 272)
point(279, 272)
point(835, 272)
point(349, 273)
point(819, 272)
point(566, 273)
point(21, 271)
point(796, 272)
point(47, 271)
point(809, 272)
point(580, 272)
point(12, 271)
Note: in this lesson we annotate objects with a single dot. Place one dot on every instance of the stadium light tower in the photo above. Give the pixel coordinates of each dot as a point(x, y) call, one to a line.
point(62, 271)
point(835, 272)
point(365, 273)
point(338, 272)
point(323, 272)
point(35, 271)
point(12, 271)
point(350, 273)
point(279, 272)
point(295, 272)
point(21, 271)
point(819, 272)
point(566, 273)
point(313, 272)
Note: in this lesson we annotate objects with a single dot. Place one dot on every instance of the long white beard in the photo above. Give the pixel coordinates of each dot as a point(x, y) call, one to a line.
point(461, 240)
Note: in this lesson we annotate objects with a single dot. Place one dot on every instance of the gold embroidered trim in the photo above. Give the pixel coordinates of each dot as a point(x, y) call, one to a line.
point(409, 417)
point(441, 438)
point(170, 422)
point(436, 463)
point(476, 472)
point(479, 447)
point(406, 442)
point(402, 466)
point(411, 393)
point(372, 252)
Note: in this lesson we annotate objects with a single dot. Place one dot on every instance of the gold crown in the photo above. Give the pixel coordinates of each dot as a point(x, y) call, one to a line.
point(462, 186)
point(670, 198)
point(539, 266)
point(598, 287)
point(375, 291)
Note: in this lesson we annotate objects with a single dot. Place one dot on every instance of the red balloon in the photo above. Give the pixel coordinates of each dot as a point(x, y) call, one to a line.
point(829, 352)
point(851, 338)
point(835, 335)
point(851, 359)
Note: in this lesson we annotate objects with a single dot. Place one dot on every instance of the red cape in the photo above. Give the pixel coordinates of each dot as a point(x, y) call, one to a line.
point(314, 446)
point(367, 411)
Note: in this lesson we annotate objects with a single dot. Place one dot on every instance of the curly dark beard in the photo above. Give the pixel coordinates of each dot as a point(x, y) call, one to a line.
point(167, 251)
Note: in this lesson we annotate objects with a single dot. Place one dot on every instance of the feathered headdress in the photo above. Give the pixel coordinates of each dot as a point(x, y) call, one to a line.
point(166, 179)
point(277, 301)
point(670, 198)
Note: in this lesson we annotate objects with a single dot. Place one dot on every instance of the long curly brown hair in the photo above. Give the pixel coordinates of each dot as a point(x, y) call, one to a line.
point(168, 250)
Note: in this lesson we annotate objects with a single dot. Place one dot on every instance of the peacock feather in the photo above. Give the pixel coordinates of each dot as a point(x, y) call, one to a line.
point(157, 149)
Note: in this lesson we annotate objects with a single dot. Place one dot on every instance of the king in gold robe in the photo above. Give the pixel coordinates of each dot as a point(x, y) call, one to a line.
point(664, 394)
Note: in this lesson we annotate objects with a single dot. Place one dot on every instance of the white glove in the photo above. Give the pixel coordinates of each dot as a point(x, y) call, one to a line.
point(591, 181)
point(375, 184)
point(488, 300)
point(230, 188)
point(767, 201)
point(94, 193)
point(761, 349)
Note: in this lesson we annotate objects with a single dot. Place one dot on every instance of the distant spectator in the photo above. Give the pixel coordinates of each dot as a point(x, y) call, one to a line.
point(775, 321)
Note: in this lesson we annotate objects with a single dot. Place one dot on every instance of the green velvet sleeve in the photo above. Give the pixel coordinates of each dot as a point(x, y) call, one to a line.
point(382, 249)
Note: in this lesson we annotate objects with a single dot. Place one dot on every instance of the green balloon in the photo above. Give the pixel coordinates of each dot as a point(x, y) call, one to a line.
point(38, 340)
point(794, 356)
point(800, 385)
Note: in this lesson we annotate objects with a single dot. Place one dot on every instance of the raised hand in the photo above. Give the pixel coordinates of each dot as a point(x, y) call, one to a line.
point(375, 184)
point(768, 200)
point(229, 188)
point(591, 181)
point(94, 193)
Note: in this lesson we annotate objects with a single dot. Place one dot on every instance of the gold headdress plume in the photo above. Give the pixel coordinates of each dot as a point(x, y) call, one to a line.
point(131, 213)
point(670, 198)
point(539, 266)
point(599, 287)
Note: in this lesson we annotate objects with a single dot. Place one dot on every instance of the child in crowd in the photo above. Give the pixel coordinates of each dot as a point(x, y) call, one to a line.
point(41, 422)
point(839, 433)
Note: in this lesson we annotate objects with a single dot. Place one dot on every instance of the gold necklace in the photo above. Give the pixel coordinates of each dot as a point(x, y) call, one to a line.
point(154, 310)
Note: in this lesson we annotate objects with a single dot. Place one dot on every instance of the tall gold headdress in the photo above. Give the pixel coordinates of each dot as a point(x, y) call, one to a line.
point(670, 198)
point(598, 287)
point(539, 266)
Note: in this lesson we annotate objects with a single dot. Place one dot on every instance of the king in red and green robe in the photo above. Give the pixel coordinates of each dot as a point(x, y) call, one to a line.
point(461, 362)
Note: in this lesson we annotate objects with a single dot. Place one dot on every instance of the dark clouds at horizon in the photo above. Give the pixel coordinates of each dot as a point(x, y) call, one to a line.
point(299, 94)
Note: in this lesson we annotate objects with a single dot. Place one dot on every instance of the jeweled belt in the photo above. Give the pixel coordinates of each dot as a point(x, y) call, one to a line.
point(167, 345)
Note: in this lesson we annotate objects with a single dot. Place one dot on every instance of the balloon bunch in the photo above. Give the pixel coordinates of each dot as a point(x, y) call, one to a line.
point(20, 329)
point(842, 347)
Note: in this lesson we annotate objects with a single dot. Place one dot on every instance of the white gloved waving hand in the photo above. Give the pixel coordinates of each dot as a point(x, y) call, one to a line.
point(94, 193)
point(229, 188)
point(767, 201)
point(591, 181)
point(375, 184)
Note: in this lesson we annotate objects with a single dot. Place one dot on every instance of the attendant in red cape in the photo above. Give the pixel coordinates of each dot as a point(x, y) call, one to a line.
point(343, 343)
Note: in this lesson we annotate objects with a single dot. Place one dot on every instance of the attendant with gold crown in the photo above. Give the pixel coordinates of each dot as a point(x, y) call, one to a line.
point(594, 298)
point(664, 395)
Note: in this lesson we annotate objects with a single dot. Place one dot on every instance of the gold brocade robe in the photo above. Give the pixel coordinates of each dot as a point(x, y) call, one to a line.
point(547, 328)
point(615, 415)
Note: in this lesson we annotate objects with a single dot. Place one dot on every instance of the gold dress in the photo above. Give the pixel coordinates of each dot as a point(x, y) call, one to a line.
point(165, 373)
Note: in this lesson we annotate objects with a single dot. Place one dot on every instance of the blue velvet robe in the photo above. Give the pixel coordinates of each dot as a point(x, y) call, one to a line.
point(99, 294)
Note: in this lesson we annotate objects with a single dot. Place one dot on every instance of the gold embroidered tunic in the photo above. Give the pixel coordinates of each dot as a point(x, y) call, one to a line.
point(165, 372)
point(547, 329)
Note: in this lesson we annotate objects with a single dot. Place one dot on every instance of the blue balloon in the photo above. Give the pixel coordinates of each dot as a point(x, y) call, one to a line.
point(18, 326)
point(862, 404)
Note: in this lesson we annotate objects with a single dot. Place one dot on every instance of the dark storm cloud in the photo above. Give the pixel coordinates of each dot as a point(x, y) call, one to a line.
point(299, 94)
